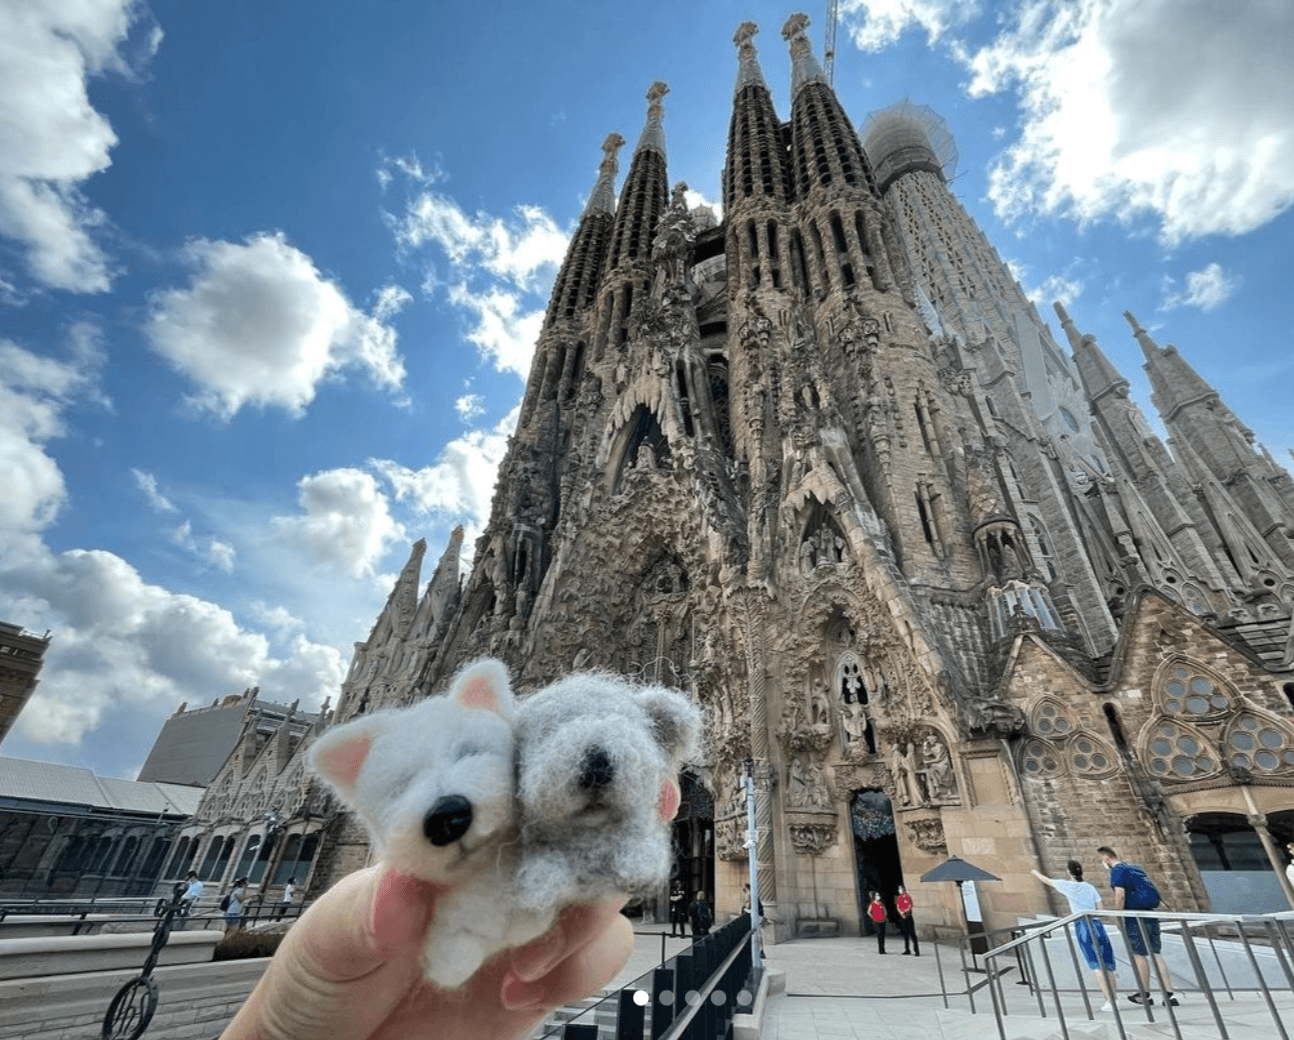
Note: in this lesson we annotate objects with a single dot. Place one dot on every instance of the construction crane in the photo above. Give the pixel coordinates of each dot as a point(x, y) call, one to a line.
point(829, 48)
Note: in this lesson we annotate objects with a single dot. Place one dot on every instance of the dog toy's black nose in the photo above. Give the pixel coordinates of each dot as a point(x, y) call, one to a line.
point(597, 770)
point(448, 820)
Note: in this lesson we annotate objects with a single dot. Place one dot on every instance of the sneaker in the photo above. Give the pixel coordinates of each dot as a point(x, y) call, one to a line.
point(907, 953)
point(1107, 1006)
point(1172, 999)
point(1136, 999)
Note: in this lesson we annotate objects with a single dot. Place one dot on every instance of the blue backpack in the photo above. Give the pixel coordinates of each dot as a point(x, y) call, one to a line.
point(1141, 893)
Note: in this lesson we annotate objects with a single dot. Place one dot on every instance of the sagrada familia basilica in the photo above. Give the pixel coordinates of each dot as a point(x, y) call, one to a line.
point(934, 579)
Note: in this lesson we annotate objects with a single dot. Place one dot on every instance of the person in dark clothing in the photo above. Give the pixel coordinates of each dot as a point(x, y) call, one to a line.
point(876, 911)
point(903, 904)
point(677, 908)
point(701, 915)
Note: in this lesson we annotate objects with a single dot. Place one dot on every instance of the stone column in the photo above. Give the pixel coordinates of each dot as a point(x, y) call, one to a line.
point(763, 771)
point(1258, 821)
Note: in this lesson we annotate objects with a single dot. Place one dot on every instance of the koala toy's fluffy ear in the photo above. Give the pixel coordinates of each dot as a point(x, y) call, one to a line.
point(484, 685)
point(675, 720)
point(338, 755)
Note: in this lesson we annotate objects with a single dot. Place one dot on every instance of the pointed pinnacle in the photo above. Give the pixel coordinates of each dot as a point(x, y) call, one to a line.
point(804, 66)
point(603, 199)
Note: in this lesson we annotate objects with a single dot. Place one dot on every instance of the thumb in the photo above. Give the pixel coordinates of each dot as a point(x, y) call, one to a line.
point(366, 920)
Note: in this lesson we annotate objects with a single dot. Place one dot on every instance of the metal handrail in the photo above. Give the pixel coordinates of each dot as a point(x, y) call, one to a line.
point(1272, 932)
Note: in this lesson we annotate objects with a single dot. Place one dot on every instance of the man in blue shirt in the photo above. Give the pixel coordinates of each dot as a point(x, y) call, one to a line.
point(1133, 890)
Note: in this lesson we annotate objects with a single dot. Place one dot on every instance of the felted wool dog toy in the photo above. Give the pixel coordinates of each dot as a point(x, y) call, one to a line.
point(433, 785)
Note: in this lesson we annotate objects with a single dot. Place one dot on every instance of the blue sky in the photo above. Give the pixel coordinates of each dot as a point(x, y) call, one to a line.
point(270, 274)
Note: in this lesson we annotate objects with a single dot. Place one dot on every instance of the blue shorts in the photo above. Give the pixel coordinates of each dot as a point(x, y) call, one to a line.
point(1143, 932)
point(1083, 931)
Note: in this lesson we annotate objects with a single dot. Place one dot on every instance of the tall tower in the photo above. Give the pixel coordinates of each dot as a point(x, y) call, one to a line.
point(812, 465)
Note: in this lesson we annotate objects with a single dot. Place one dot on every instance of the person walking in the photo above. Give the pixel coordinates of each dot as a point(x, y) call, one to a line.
point(232, 905)
point(1133, 890)
point(876, 911)
point(745, 909)
point(1092, 938)
point(702, 916)
point(903, 904)
point(289, 890)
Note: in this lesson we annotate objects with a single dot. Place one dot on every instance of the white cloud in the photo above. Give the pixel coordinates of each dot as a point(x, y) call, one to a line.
point(221, 555)
point(147, 483)
point(461, 481)
point(504, 331)
point(260, 325)
point(391, 300)
point(1207, 288)
point(1063, 288)
point(1177, 109)
point(345, 524)
point(278, 618)
point(34, 392)
point(122, 644)
point(875, 24)
point(54, 139)
point(499, 269)
point(469, 406)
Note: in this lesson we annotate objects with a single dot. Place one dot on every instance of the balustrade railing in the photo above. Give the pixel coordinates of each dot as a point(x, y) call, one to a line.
point(1218, 974)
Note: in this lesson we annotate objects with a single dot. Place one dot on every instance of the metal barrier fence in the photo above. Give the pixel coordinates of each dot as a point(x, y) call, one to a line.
point(117, 910)
point(1219, 959)
point(691, 996)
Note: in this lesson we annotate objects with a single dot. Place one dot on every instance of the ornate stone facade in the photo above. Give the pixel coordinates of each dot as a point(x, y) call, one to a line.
point(786, 462)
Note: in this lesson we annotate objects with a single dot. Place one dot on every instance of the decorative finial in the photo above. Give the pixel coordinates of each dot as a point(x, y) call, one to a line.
point(653, 136)
point(748, 72)
point(1132, 320)
point(804, 66)
point(603, 199)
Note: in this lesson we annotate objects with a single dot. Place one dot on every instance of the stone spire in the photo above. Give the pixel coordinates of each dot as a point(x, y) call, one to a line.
point(1098, 374)
point(756, 166)
point(402, 604)
point(1174, 383)
point(653, 135)
point(804, 66)
point(646, 189)
point(443, 587)
point(603, 199)
point(748, 70)
point(577, 282)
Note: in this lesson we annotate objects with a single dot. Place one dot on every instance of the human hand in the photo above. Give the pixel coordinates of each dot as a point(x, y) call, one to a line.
point(348, 970)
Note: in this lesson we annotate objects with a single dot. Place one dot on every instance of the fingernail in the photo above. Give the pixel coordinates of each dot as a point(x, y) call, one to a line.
point(518, 996)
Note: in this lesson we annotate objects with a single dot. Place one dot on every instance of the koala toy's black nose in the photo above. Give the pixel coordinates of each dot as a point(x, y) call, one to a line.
point(448, 820)
point(597, 770)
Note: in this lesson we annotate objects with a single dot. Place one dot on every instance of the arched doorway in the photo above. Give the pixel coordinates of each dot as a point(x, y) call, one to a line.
point(694, 837)
point(876, 850)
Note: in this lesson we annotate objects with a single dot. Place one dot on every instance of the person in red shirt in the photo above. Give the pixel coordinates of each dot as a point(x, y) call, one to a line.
point(903, 903)
point(876, 911)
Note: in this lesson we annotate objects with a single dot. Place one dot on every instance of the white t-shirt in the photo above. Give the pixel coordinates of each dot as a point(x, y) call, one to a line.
point(1289, 873)
point(1081, 895)
point(193, 891)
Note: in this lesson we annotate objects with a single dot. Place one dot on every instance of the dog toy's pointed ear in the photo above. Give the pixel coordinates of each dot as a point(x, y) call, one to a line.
point(339, 755)
point(676, 721)
point(484, 685)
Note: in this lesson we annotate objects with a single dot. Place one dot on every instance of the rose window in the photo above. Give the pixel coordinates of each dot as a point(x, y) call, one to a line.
point(1051, 721)
point(1090, 757)
point(1190, 692)
point(1178, 754)
point(1256, 744)
point(1039, 760)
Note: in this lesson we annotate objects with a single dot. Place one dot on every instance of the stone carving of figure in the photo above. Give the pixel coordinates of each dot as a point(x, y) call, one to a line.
point(939, 767)
point(819, 704)
point(902, 775)
point(807, 788)
point(856, 723)
point(806, 557)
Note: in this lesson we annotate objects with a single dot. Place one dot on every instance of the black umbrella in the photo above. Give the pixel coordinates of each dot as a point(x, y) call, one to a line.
point(954, 868)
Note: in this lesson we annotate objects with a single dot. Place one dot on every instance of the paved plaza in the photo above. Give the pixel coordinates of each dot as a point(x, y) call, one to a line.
point(842, 989)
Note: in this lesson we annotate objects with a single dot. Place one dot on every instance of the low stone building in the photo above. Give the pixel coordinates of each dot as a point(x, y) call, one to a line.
point(67, 833)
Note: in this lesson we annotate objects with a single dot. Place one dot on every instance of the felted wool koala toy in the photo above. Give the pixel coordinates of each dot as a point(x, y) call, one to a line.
point(433, 785)
point(597, 759)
